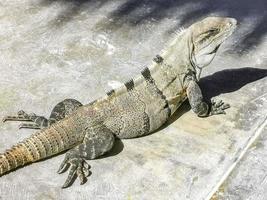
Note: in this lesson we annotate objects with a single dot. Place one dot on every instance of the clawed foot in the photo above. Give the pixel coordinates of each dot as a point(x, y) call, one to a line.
point(218, 107)
point(36, 122)
point(22, 116)
point(78, 167)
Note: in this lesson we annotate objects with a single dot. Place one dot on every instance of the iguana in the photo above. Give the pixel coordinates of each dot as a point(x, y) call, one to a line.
point(137, 108)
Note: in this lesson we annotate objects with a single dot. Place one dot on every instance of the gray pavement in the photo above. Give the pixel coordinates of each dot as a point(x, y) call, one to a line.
point(56, 49)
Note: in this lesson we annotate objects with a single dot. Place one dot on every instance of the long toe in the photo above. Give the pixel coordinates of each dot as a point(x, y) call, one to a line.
point(63, 165)
point(81, 175)
point(86, 169)
point(226, 106)
point(22, 113)
point(71, 176)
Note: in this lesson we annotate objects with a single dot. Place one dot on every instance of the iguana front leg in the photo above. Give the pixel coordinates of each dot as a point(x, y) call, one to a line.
point(199, 106)
point(97, 141)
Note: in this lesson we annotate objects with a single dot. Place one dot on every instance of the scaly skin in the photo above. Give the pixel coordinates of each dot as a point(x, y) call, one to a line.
point(138, 108)
point(45, 143)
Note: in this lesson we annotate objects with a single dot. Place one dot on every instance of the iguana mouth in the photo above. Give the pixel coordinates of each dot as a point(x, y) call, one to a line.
point(215, 49)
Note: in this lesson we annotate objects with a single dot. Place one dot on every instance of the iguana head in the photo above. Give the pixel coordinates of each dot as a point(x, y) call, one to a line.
point(206, 36)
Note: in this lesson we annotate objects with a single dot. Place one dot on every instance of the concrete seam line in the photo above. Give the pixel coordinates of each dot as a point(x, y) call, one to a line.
point(250, 141)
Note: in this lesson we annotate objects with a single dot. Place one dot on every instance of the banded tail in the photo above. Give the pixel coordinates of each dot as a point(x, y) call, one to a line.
point(45, 143)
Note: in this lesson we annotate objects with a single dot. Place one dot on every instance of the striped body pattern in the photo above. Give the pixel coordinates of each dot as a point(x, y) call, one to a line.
point(42, 144)
point(143, 104)
point(139, 107)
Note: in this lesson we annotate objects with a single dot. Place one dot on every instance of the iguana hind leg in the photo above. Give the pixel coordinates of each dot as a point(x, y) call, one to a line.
point(63, 109)
point(60, 111)
point(96, 142)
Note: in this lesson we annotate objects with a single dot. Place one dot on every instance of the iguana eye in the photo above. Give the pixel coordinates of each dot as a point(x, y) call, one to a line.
point(208, 34)
point(213, 31)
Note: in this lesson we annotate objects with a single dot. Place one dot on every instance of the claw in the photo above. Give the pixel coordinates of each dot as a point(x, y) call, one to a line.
point(15, 118)
point(226, 106)
point(4, 119)
point(86, 171)
point(220, 112)
point(219, 104)
point(31, 126)
point(79, 167)
point(81, 175)
point(86, 168)
point(22, 116)
point(218, 108)
point(72, 173)
point(63, 166)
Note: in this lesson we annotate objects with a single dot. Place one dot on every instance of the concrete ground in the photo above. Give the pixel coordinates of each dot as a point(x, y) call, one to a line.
point(56, 49)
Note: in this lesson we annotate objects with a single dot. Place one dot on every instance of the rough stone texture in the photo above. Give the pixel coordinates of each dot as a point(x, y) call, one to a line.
point(51, 50)
point(249, 179)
